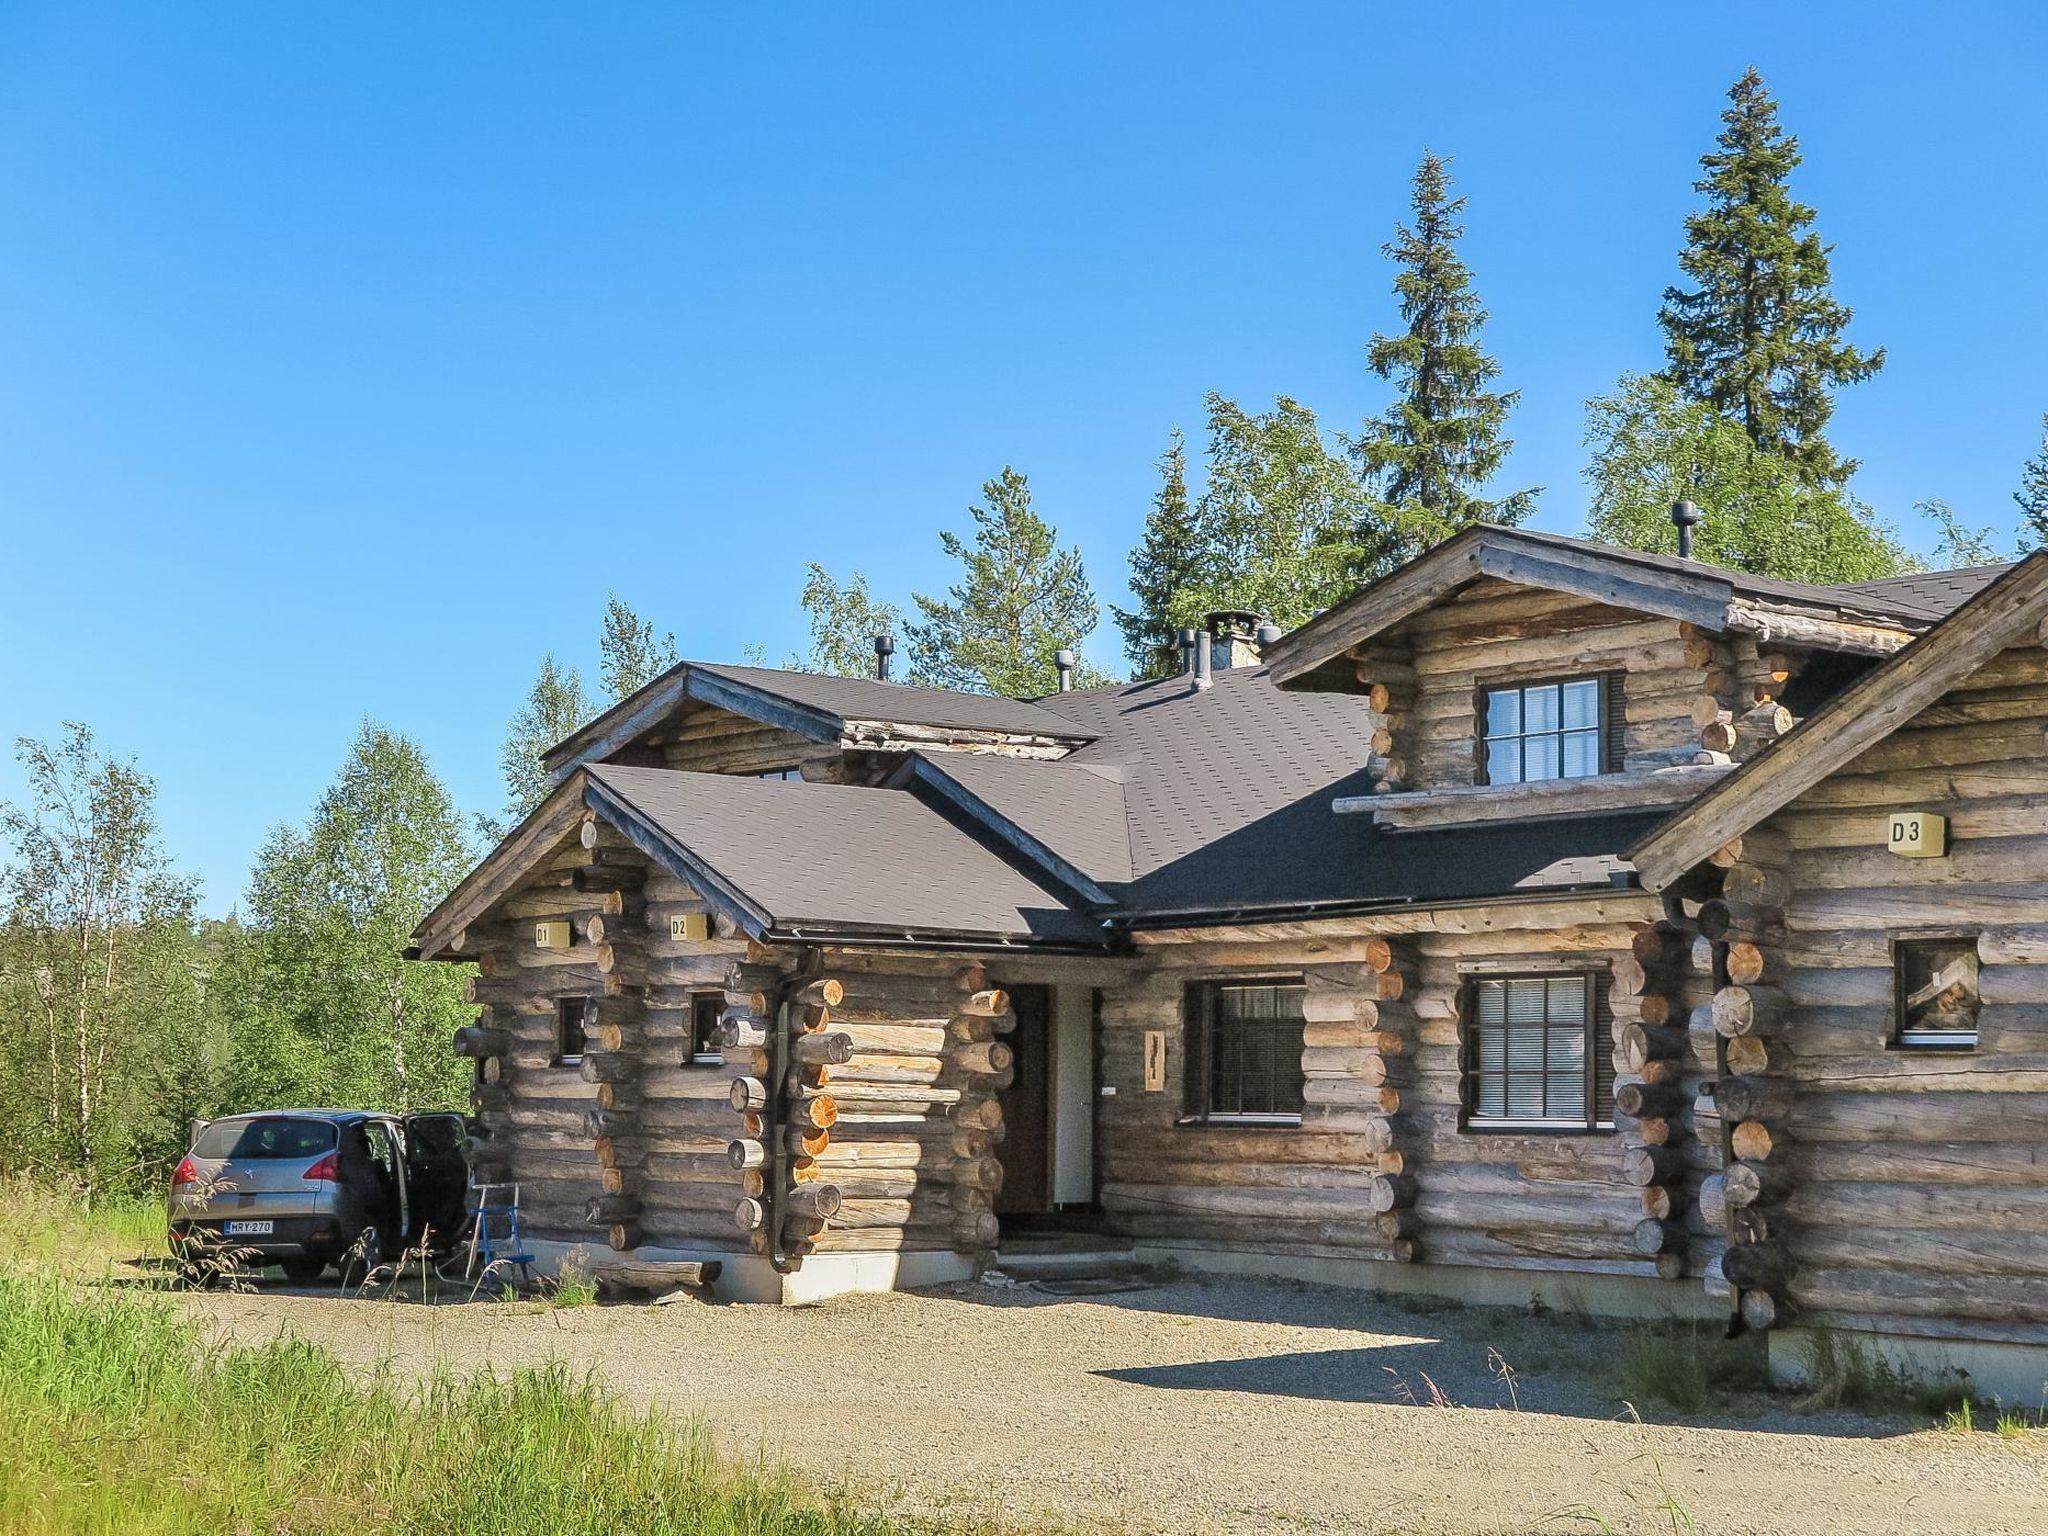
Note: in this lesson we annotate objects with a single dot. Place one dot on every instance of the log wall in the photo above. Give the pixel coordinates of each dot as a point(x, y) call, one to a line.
point(889, 1093)
point(1906, 1188)
point(1688, 698)
point(1379, 1167)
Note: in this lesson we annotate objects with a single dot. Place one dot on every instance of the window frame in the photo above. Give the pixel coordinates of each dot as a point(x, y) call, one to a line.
point(1198, 1022)
point(562, 1056)
point(704, 1048)
point(1595, 980)
point(1895, 1034)
point(1608, 687)
point(791, 773)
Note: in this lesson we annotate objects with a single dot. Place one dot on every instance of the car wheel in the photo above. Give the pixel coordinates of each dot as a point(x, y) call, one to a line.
point(364, 1258)
point(304, 1271)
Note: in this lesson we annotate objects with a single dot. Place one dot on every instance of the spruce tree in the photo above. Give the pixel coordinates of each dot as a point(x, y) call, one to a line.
point(1169, 562)
point(1020, 598)
point(1440, 442)
point(2032, 496)
point(1759, 336)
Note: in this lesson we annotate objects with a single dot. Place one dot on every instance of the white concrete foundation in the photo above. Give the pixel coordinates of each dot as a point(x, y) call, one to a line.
point(2012, 1374)
point(749, 1277)
point(1559, 1290)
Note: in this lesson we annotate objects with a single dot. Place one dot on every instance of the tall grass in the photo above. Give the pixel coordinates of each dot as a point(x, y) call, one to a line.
point(45, 1227)
point(120, 1417)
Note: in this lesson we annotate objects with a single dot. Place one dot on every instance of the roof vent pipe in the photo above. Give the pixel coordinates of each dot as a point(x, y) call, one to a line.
point(1187, 652)
point(1064, 660)
point(1205, 658)
point(885, 647)
point(1268, 635)
point(1685, 516)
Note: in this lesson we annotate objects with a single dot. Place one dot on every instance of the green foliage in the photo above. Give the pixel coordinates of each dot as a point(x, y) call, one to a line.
point(323, 1004)
point(630, 655)
point(1682, 1365)
point(177, 1434)
point(101, 1027)
point(844, 623)
point(1960, 544)
point(1440, 442)
point(1171, 560)
point(1020, 599)
point(1651, 447)
point(2032, 496)
point(555, 708)
point(1279, 512)
point(1759, 336)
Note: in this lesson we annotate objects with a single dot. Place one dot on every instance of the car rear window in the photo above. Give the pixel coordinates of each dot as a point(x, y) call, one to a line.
point(276, 1136)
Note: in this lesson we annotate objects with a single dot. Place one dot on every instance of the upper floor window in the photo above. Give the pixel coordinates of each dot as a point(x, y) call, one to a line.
point(779, 773)
point(1554, 730)
point(1537, 1053)
point(1244, 1051)
point(1936, 999)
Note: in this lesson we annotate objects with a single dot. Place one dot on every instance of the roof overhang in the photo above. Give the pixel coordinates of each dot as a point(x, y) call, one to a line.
point(2008, 612)
point(1714, 600)
point(689, 683)
point(581, 794)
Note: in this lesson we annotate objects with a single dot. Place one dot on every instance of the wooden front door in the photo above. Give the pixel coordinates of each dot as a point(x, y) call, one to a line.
point(1026, 1148)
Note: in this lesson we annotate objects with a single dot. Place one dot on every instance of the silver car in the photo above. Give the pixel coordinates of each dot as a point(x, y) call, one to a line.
point(304, 1188)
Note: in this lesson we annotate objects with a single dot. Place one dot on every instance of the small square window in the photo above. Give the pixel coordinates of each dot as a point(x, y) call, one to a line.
point(570, 1019)
point(1936, 993)
point(706, 1009)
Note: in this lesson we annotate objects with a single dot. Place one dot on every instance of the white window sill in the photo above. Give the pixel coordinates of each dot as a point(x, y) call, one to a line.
point(1555, 1127)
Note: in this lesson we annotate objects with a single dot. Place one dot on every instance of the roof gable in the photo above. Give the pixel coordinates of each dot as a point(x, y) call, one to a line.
point(2007, 612)
point(846, 711)
point(1715, 599)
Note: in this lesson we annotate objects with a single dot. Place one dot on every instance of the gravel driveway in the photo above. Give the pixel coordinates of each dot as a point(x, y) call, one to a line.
point(1217, 1407)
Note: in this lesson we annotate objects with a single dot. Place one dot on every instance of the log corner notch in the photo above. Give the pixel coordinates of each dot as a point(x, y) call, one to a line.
point(782, 1019)
point(1743, 929)
point(1646, 991)
point(1385, 673)
point(1358, 1023)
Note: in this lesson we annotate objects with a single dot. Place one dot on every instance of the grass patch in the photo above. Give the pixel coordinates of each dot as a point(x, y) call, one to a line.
point(1688, 1367)
point(1844, 1372)
point(120, 1417)
point(45, 1228)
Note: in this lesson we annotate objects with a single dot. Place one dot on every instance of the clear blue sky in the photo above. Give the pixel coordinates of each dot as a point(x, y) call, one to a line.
point(351, 354)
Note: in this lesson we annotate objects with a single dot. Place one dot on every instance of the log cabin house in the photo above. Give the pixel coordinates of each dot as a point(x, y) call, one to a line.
point(1543, 920)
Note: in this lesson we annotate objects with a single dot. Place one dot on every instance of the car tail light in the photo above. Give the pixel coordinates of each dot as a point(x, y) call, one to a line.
point(184, 1174)
point(327, 1170)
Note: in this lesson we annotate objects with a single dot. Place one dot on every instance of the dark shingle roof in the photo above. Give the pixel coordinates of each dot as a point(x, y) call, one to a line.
point(1227, 794)
point(865, 698)
point(1940, 592)
point(1074, 808)
point(835, 857)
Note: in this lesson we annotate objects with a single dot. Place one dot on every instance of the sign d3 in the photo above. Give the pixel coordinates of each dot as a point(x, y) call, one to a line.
point(1918, 835)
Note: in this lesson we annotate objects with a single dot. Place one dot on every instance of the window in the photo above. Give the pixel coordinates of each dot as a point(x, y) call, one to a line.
point(1537, 1053)
point(1558, 730)
point(706, 1008)
point(1244, 1051)
point(569, 1019)
point(779, 773)
point(1935, 1003)
point(273, 1137)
